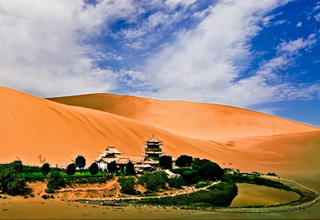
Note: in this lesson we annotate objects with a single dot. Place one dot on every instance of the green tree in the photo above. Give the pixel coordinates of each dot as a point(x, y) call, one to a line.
point(197, 163)
point(130, 168)
point(175, 182)
point(210, 171)
point(45, 169)
point(71, 169)
point(55, 181)
point(112, 166)
point(127, 185)
point(154, 181)
point(94, 169)
point(165, 162)
point(184, 161)
point(11, 181)
point(17, 166)
point(80, 162)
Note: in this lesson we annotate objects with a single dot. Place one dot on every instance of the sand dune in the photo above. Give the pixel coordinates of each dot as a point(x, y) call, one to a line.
point(195, 120)
point(32, 126)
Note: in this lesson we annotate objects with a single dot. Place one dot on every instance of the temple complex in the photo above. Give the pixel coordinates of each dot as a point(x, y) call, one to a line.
point(153, 152)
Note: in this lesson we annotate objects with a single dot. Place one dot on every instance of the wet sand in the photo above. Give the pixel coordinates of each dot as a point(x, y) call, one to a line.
point(19, 208)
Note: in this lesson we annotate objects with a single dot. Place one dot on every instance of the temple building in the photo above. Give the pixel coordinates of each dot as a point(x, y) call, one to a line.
point(150, 160)
point(107, 156)
point(153, 149)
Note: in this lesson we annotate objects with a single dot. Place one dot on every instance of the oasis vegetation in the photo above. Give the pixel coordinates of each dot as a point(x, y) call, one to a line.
point(181, 182)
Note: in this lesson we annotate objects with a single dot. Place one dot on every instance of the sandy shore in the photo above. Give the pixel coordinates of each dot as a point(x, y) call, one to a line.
point(60, 207)
point(19, 208)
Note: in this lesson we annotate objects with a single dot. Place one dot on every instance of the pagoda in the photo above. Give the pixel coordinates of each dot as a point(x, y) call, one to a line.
point(153, 149)
point(107, 156)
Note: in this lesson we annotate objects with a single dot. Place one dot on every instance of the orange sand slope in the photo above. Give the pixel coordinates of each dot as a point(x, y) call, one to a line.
point(31, 126)
point(195, 120)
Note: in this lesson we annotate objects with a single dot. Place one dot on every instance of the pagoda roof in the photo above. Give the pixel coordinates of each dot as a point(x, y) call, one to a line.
point(153, 140)
point(105, 160)
point(111, 150)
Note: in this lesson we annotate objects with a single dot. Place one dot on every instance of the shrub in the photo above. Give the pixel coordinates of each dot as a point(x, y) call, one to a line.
point(127, 185)
point(71, 169)
point(11, 181)
point(165, 162)
point(17, 166)
point(130, 168)
point(154, 181)
point(112, 167)
point(93, 169)
point(260, 181)
point(16, 186)
point(197, 163)
point(45, 169)
point(272, 174)
point(184, 161)
point(180, 170)
point(190, 176)
point(210, 171)
point(175, 182)
point(80, 162)
point(44, 196)
point(31, 169)
point(55, 181)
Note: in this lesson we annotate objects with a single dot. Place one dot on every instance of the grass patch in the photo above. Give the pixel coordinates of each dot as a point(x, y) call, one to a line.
point(253, 179)
point(33, 176)
point(221, 194)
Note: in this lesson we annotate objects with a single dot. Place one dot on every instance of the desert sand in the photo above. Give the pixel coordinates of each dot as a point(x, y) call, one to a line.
point(61, 208)
point(233, 137)
point(190, 119)
point(32, 126)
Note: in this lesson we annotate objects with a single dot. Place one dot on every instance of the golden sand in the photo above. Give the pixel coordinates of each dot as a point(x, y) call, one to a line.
point(190, 119)
point(32, 126)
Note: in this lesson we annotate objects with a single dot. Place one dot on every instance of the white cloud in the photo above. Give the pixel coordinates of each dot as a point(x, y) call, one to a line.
point(134, 79)
point(41, 50)
point(317, 17)
point(45, 50)
point(175, 3)
point(299, 24)
point(294, 46)
point(204, 63)
point(149, 30)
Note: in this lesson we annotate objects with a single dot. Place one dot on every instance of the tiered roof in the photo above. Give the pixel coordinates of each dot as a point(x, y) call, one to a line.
point(111, 150)
point(153, 140)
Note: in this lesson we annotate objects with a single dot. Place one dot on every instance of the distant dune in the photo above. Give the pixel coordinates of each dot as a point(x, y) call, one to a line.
point(32, 126)
point(190, 119)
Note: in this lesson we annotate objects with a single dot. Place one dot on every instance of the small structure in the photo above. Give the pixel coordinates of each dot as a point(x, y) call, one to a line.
point(107, 156)
point(153, 150)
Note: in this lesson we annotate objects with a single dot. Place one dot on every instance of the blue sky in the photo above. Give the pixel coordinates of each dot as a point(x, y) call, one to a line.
point(262, 55)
